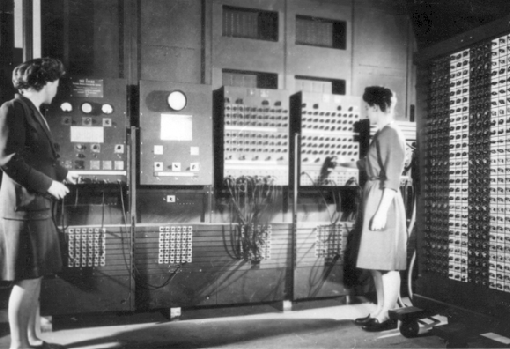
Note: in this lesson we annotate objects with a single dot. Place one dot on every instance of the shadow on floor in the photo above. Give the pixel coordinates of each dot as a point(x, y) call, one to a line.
point(260, 333)
point(191, 313)
point(4, 329)
point(212, 334)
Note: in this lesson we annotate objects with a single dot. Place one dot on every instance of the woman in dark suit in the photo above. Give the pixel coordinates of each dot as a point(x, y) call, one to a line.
point(32, 178)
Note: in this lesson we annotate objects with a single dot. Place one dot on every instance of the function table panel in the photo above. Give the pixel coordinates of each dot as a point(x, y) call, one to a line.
point(466, 186)
point(255, 134)
point(88, 123)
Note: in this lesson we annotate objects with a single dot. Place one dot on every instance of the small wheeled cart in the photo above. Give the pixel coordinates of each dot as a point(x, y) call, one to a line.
point(413, 321)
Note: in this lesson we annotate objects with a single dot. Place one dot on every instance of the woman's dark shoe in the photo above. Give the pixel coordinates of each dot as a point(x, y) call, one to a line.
point(376, 326)
point(362, 321)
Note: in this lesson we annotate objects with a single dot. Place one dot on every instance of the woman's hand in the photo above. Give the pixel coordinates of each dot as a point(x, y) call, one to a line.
point(58, 190)
point(378, 222)
point(72, 177)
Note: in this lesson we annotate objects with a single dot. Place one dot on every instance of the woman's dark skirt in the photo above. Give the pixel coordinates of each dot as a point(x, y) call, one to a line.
point(29, 248)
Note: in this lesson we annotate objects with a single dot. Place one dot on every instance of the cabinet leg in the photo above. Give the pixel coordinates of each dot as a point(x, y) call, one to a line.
point(45, 323)
point(175, 314)
point(286, 306)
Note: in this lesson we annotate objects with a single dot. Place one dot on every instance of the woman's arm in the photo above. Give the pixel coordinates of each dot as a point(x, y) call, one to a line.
point(391, 156)
point(12, 146)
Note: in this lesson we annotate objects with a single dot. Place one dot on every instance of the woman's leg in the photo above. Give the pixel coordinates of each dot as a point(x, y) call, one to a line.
point(20, 302)
point(33, 322)
point(391, 287)
point(378, 281)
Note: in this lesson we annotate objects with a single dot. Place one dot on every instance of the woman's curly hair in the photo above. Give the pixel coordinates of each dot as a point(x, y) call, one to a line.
point(35, 73)
point(377, 95)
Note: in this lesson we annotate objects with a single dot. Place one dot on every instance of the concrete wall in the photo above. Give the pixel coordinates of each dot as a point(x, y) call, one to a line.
point(181, 40)
point(381, 53)
point(171, 40)
point(320, 62)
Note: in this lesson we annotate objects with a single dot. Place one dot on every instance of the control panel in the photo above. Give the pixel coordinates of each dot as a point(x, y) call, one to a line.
point(326, 125)
point(176, 146)
point(253, 134)
point(88, 122)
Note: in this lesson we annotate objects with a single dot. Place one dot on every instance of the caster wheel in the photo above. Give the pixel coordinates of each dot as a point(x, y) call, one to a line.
point(409, 329)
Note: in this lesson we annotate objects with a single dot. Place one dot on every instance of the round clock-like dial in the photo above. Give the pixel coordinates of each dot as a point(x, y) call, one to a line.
point(177, 100)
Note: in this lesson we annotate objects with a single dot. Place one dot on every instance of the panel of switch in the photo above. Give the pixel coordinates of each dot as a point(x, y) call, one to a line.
point(88, 122)
point(176, 135)
point(255, 134)
point(326, 125)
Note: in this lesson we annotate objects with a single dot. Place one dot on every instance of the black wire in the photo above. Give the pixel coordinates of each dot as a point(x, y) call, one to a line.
point(322, 196)
point(123, 208)
point(147, 286)
point(102, 218)
point(235, 239)
point(76, 195)
point(136, 275)
point(256, 193)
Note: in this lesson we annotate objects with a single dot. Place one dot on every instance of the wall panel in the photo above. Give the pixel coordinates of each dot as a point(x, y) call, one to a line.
point(171, 40)
point(304, 59)
point(181, 41)
point(380, 53)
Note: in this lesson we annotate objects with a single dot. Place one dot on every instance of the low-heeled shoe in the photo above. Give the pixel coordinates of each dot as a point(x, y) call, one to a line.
point(362, 321)
point(376, 326)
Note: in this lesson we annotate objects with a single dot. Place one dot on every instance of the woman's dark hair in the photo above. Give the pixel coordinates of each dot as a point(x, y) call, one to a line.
point(35, 73)
point(377, 95)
